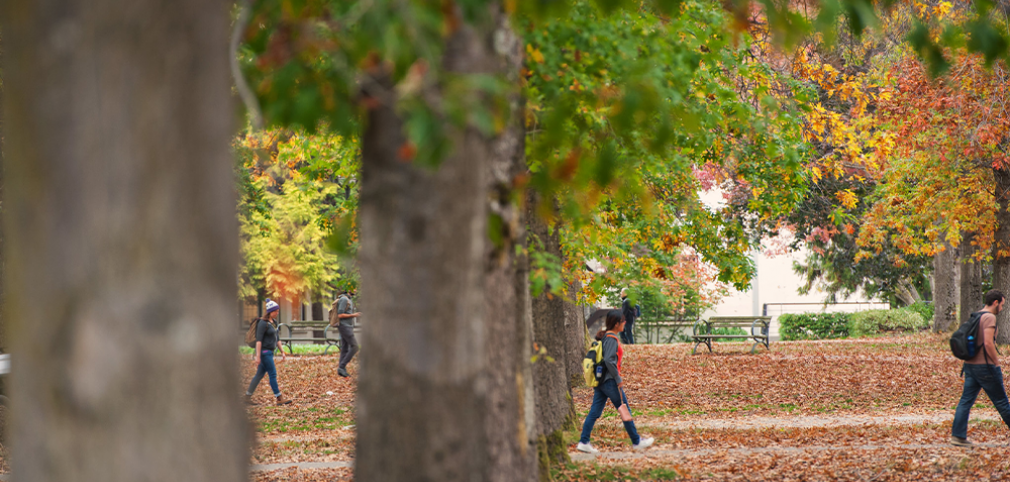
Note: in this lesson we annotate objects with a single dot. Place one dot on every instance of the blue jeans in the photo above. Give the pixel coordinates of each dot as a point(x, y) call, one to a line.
point(628, 335)
point(980, 377)
point(601, 393)
point(266, 366)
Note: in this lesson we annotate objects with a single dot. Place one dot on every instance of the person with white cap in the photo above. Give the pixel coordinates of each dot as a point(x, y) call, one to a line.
point(266, 343)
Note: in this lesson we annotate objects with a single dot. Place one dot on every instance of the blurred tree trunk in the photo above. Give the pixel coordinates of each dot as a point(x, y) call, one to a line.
point(3, 251)
point(946, 286)
point(441, 393)
point(122, 242)
point(1001, 250)
point(970, 279)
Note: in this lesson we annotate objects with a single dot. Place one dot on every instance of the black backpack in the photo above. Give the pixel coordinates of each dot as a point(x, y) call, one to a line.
point(963, 343)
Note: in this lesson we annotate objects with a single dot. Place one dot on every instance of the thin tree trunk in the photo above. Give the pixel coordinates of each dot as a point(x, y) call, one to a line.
point(427, 394)
point(945, 289)
point(1001, 249)
point(122, 242)
point(906, 292)
point(970, 278)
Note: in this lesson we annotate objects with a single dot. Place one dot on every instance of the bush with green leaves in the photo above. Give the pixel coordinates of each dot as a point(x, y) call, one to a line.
point(872, 322)
point(925, 310)
point(813, 326)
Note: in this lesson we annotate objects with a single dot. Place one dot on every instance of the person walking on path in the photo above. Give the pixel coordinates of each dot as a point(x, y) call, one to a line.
point(266, 343)
point(611, 387)
point(342, 317)
point(630, 314)
point(982, 372)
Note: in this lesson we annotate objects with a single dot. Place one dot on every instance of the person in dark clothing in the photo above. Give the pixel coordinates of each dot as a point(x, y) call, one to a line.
point(266, 343)
point(982, 372)
point(611, 388)
point(630, 314)
point(342, 317)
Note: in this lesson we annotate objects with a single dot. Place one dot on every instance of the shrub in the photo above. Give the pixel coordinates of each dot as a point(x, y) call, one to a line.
point(925, 310)
point(872, 322)
point(813, 326)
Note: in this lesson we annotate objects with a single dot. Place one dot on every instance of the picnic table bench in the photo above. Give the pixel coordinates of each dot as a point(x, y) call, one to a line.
point(703, 330)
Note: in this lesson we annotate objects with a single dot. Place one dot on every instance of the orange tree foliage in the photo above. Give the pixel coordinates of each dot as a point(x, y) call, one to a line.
point(294, 188)
point(951, 134)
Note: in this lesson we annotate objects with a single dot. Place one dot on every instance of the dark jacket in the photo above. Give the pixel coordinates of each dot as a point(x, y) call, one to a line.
point(266, 333)
point(610, 360)
point(628, 311)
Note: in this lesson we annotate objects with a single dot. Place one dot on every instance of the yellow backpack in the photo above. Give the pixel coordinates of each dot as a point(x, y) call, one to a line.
point(592, 364)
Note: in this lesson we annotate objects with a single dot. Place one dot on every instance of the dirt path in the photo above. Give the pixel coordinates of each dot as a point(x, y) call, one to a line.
point(682, 453)
point(752, 423)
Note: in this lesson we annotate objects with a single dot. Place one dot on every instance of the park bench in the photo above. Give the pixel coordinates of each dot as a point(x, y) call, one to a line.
point(330, 336)
point(675, 327)
point(703, 331)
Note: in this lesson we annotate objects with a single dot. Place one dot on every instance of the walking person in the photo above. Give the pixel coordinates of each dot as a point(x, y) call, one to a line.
point(266, 343)
point(611, 388)
point(982, 372)
point(343, 316)
point(630, 315)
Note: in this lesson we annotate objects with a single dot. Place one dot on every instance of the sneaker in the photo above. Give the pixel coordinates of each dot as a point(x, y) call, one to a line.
point(282, 401)
point(342, 372)
point(960, 442)
point(643, 443)
point(587, 448)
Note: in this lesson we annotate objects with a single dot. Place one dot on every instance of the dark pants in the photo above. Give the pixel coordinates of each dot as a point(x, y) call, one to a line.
point(348, 345)
point(266, 366)
point(607, 390)
point(980, 377)
point(628, 335)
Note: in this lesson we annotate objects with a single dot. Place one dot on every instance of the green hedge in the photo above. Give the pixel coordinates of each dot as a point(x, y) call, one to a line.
point(899, 320)
point(823, 326)
point(813, 326)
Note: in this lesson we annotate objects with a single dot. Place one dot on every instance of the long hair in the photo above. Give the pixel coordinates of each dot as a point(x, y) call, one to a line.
point(614, 318)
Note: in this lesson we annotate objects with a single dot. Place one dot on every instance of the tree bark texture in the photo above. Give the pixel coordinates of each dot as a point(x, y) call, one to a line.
point(511, 420)
point(946, 286)
point(550, 371)
point(3, 329)
point(433, 405)
point(1001, 249)
point(575, 339)
point(970, 279)
point(122, 242)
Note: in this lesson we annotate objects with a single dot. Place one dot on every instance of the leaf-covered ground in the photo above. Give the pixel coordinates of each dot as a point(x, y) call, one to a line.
point(853, 410)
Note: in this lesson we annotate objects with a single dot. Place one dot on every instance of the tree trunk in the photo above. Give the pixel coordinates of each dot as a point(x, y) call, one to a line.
point(430, 405)
point(3, 329)
point(550, 371)
point(511, 398)
point(122, 240)
point(1001, 250)
point(970, 278)
point(945, 289)
point(575, 337)
point(906, 292)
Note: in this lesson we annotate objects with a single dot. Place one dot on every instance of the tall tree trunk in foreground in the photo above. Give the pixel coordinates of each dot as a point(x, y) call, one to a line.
point(3, 251)
point(431, 404)
point(945, 289)
point(970, 278)
point(1001, 249)
point(121, 242)
point(511, 423)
